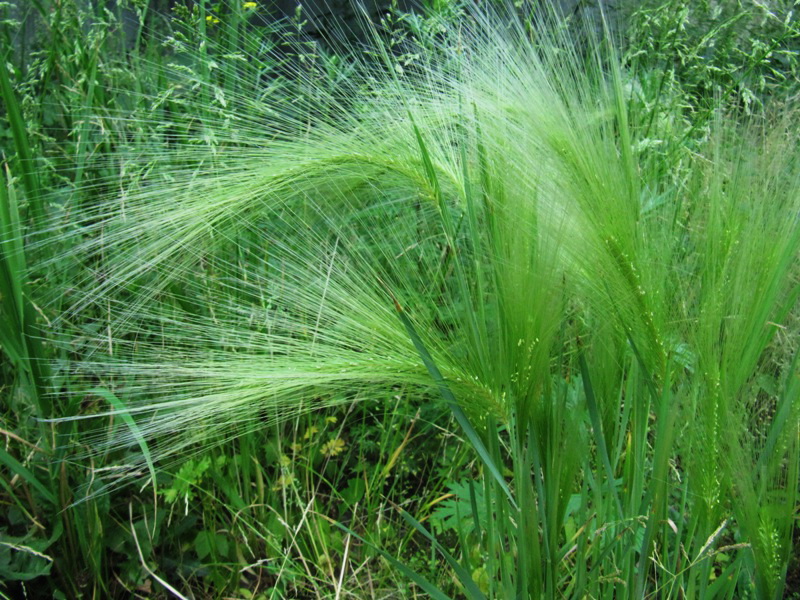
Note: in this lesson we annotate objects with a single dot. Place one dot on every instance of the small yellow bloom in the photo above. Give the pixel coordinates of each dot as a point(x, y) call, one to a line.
point(284, 481)
point(285, 461)
point(212, 19)
point(333, 447)
point(249, 5)
point(331, 420)
point(296, 448)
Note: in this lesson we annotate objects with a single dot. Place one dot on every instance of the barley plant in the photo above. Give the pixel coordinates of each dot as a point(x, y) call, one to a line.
point(244, 275)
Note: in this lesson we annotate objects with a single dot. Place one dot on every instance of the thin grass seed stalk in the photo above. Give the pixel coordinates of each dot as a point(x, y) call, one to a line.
point(499, 187)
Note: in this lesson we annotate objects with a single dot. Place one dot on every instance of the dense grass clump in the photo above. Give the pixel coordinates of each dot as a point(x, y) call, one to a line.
point(487, 218)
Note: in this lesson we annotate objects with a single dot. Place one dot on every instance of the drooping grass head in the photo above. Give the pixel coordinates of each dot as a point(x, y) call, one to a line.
point(510, 192)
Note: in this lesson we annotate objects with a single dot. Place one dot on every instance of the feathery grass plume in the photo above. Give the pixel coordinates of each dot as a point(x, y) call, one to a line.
point(323, 221)
point(743, 249)
point(603, 319)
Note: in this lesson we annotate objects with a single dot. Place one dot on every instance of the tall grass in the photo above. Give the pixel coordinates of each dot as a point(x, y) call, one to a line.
point(611, 319)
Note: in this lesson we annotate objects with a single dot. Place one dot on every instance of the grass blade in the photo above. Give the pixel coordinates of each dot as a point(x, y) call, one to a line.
point(458, 412)
point(19, 131)
point(122, 411)
point(464, 576)
point(18, 335)
point(423, 583)
point(25, 473)
point(597, 429)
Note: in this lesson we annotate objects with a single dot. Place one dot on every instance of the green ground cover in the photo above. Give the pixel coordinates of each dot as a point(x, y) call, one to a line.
point(474, 301)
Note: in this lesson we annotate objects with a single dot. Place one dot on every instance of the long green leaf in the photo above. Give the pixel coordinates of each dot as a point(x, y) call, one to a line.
point(12, 270)
point(18, 333)
point(786, 404)
point(458, 412)
point(19, 131)
point(423, 583)
point(25, 473)
point(463, 575)
point(597, 430)
point(124, 414)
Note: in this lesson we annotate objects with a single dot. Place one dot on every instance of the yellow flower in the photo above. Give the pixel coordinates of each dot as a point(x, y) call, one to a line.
point(331, 420)
point(284, 460)
point(310, 432)
point(249, 5)
point(212, 19)
point(284, 481)
point(333, 447)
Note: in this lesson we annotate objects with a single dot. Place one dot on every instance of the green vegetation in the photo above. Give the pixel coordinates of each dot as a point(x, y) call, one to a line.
point(493, 303)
